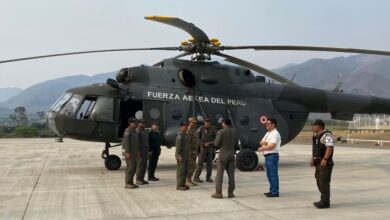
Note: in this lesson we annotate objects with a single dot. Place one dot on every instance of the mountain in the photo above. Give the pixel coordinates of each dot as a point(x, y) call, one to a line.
point(41, 96)
point(361, 74)
point(6, 93)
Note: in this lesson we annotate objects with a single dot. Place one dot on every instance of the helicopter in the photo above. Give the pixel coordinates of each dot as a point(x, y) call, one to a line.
point(174, 89)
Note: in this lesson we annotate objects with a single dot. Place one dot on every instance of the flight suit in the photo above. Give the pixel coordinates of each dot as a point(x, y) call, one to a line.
point(144, 149)
point(227, 142)
point(130, 144)
point(323, 174)
point(155, 150)
point(193, 151)
point(206, 135)
point(182, 149)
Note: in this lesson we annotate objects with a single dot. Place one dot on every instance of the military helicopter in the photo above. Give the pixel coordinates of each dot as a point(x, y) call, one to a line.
point(174, 89)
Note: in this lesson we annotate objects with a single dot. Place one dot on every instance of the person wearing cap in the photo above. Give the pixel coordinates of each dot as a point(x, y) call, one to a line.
point(144, 149)
point(322, 160)
point(206, 134)
point(227, 142)
point(193, 151)
point(154, 151)
point(270, 147)
point(182, 154)
point(130, 144)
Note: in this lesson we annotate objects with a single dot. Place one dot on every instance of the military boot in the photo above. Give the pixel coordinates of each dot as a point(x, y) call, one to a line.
point(323, 205)
point(182, 188)
point(209, 180)
point(231, 195)
point(131, 186)
point(217, 196)
point(316, 203)
point(197, 180)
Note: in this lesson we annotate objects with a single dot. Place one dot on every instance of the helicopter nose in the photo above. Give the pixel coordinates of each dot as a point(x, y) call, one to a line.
point(50, 120)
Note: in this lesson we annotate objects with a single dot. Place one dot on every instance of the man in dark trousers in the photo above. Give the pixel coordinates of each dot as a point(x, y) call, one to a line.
point(206, 135)
point(154, 151)
point(130, 144)
point(144, 148)
point(182, 156)
point(322, 160)
point(227, 141)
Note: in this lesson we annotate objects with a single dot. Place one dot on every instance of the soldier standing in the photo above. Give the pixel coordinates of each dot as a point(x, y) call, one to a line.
point(154, 151)
point(206, 134)
point(193, 151)
point(322, 160)
point(227, 142)
point(144, 149)
point(130, 144)
point(182, 153)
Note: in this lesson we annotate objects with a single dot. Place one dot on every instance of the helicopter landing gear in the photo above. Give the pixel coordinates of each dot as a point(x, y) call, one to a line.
point(112, 162)
point(247, 160)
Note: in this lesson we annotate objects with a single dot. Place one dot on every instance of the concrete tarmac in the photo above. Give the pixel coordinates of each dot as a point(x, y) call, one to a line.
point(42, 179)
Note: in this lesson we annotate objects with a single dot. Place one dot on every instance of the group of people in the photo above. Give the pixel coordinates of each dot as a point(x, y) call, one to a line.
point(194, 147)
point(139, 147)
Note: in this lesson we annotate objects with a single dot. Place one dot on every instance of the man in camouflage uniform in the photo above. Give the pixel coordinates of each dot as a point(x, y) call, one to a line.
point(144, 145)
point(227, 142)
point(206, 135)
point(193, 151)
point(130, 144)
point(182, 154)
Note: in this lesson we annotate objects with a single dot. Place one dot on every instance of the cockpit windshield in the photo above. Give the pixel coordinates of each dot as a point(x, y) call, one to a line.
point(71, 106)
point(61, 101)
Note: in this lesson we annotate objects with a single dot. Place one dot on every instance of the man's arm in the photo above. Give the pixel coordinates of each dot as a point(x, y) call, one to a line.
point(217, 140)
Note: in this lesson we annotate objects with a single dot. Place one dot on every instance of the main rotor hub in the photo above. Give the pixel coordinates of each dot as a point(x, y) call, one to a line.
point(201, 51)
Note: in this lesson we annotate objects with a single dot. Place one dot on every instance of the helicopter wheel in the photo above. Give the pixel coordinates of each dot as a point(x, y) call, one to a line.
point(113, 162)
point(247, 160)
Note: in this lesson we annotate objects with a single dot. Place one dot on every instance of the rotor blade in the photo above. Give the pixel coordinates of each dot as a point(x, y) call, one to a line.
point(195, 32)
point(309, 48)
point(85, 52)
point(175, 57)
point(257, 68)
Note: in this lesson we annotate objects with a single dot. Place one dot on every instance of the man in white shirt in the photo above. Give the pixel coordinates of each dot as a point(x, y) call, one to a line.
point(270, 147)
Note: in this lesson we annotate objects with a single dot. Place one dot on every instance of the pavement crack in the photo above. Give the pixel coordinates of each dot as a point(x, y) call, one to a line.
point(36, 182)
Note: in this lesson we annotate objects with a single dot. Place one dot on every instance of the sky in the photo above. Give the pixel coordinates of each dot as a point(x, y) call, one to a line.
point(39, 27)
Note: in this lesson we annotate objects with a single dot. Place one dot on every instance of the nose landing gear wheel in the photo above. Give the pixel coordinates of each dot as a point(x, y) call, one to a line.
point(113, 162)
point(247, 160)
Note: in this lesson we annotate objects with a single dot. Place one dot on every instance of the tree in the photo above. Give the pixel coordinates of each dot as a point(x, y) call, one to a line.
point(41, 115)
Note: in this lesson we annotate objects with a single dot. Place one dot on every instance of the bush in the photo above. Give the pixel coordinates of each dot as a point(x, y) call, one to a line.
point(25, 131)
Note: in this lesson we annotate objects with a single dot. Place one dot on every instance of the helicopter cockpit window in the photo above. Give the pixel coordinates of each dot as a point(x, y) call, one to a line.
point(71, 106)
point(61, 101)
point(86, 108)
point(103, 110)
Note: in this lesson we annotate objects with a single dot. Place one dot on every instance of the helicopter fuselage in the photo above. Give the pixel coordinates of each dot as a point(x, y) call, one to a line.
point(179, 89)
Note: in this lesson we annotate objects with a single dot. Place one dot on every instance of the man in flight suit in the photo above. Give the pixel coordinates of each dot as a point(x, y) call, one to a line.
point(144, 149)
point(227, 142)
point(182, 153)
point(193, 151)
point(130, 144)
point(322, 160)
point(206, 134)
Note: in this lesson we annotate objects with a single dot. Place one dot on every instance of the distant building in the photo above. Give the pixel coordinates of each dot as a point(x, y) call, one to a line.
point(369, 124)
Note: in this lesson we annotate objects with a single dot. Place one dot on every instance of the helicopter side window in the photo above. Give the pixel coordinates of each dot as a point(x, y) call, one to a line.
point(103, 109)
point(71, 106)
point(86, 108)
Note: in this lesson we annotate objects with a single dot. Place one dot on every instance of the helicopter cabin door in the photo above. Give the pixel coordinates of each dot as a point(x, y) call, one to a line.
point(154, 111)
point(131, 108)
